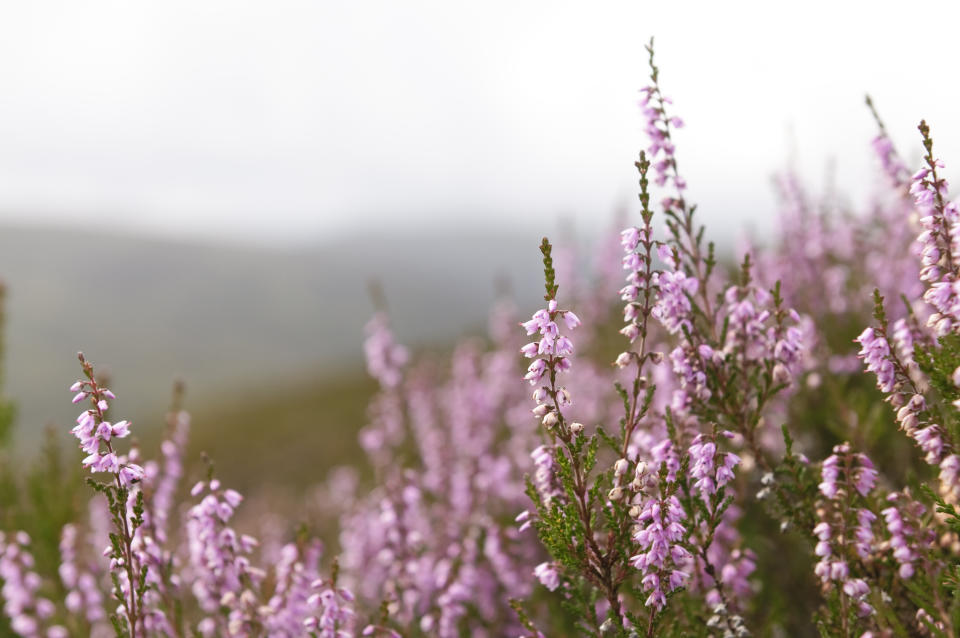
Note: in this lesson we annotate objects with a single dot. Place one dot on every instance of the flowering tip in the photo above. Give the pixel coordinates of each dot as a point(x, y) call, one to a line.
point(130, 473)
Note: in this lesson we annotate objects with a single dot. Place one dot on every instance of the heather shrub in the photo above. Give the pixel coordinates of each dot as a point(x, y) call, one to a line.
point(672, 445)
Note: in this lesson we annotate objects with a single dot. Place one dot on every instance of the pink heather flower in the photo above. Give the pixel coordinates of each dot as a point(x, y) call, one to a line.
point(83, 594)
point(130, 474)
point(690, 369)
point(856, 468)
point(829, 473)
point(663, 453)
point(27, 610)
point(857, 588)
point(219, 561)
point(530, 350)
point(950, 476)
point(551, 342)
point(673, 305)
point(939, 243)
point(704, 468)
point(903, 342)
point(572, 320)
point(892, 165)
point(120, 430)
point(548, 575)
point(864, 532)
point(902, 534)
point(661, 150)
point(662, 559)
point(545, 478)
point(536, 371)
point(632, 239)
point(875, 353)
point(553, 351)
point(336, 617)
point(865, 475)
point(836, 533)
point(95, 434)
point(385, 357)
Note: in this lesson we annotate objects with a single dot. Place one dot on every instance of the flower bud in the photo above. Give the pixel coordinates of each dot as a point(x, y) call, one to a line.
point(781, 374)
point(641, 469)
point(620, 467)
point(550, 420)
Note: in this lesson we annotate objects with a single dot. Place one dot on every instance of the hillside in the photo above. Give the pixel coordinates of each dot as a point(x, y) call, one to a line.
point(233, 322)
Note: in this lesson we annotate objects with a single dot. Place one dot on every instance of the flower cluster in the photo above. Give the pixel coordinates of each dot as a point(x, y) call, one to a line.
point(95, 434)
point(334, 616)
point(83, 593)
point(845, 531)
point(710, 469)
point(28, 611)
point(385, 357)
point(662, 150)
point(675, 287)
point(662, 559)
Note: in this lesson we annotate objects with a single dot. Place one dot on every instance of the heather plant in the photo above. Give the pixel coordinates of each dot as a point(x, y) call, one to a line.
point(646, 514)
point(761, 446)
point(736, 350)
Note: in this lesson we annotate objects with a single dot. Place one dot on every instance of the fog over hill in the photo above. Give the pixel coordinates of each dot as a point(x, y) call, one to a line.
point(229, 320)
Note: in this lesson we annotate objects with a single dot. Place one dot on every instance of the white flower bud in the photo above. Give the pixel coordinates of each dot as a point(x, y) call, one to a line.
point(550, 420)
point(615, 494)
point(623, 360)
point(620, 467)
point(576, 428)
point(781, 374)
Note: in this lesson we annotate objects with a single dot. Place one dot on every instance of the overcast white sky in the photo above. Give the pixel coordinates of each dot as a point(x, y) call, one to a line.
point(289, 120)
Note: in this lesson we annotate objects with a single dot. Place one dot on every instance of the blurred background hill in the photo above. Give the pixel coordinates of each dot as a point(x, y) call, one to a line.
point(267, 339)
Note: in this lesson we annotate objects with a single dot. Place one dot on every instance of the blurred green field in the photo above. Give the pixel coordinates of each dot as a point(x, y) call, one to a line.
point(287, 435)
